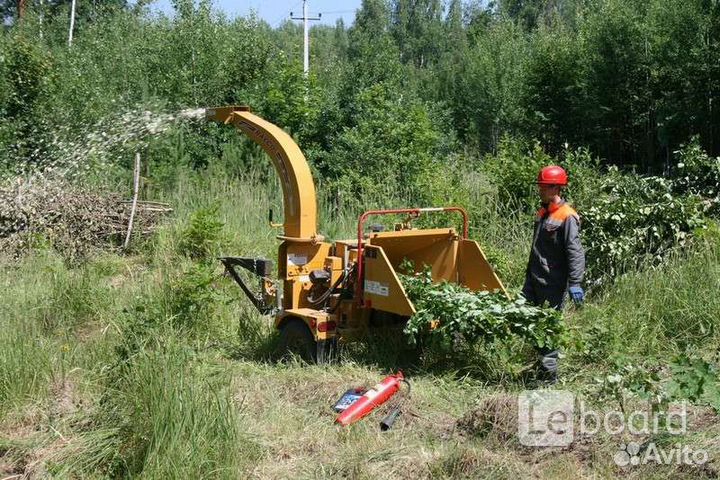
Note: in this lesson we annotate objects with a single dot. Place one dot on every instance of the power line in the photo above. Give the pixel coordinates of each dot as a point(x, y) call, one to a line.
point(283, 16)
point(339, 11)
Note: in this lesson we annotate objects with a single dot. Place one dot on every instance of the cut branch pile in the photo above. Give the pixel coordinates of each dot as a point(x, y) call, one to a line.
point(73, 220)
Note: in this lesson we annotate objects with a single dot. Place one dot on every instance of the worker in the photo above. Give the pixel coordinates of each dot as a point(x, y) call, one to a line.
point(557, 259)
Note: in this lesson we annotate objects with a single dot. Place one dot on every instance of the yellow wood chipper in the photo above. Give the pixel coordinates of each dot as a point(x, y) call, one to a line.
point(337, 291)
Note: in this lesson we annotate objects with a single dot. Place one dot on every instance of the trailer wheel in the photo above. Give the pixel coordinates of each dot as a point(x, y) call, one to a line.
point(296, 338)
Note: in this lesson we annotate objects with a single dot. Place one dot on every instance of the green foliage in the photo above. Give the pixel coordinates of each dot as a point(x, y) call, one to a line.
point(553, 99)
point(482, 83)
point(697, 173)
point(631, 81)
point(26, 69)
point(202, 237)
point(696, 380)
point(683, 45)
point(394, 143)
point(187, 300)
point(515, 166)
point(446, 312)
point(192, 296)
point(615, 57)
point(655, 313)
point(372, 54)
point(503, 263)
point(691, 378)
point(417, 30)
point(629, 379)
point(514, 170)
point(635, 221)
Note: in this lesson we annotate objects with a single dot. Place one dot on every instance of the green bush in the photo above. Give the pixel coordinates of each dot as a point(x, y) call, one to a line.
point(192, 296)
point(697, 173)
point(636, 221)
point(26, 69)
point(690, 378)
point(186, 300)
point(393, 146)
point(514, 170)
point(202, 237)
point(515, 166)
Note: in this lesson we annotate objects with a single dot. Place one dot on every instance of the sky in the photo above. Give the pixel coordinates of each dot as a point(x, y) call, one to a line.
point(275, 12)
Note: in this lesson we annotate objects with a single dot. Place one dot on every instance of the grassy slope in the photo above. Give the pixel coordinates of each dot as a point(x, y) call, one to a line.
point(92, 386)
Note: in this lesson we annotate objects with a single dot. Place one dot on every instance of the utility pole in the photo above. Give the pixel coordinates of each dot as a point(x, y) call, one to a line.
point(306, 36)
point(41, 15)
point(72, 23)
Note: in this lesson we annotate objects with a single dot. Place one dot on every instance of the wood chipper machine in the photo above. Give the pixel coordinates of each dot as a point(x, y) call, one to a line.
point(325, 291)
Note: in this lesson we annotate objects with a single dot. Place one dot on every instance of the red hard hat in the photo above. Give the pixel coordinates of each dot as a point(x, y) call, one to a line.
point(552, 175)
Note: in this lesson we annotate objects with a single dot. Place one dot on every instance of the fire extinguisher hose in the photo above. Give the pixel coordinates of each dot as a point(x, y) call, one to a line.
point(387, 422)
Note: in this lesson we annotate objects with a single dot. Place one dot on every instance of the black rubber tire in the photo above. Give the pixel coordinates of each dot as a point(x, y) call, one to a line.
point(296, 339)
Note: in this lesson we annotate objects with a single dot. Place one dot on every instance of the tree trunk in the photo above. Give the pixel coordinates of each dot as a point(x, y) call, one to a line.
point(20, 9)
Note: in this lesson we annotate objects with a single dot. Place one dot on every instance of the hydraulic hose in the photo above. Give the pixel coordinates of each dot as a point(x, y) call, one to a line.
point(326, 295)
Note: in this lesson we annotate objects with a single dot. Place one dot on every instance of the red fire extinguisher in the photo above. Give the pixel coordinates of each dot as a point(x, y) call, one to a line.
point(373, 398)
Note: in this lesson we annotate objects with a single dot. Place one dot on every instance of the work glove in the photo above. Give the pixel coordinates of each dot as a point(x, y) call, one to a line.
point(577, 294)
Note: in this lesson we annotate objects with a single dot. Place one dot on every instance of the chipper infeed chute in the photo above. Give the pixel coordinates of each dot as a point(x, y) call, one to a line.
point(450, 256)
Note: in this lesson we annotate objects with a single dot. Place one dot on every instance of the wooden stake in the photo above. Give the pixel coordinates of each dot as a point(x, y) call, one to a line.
point(72, 23)
point(136, 190)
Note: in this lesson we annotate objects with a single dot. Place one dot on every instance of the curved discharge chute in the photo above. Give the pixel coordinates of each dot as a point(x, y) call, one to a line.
point(299, 200)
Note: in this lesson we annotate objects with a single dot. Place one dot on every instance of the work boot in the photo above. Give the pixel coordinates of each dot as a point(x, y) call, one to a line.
point(547, 368)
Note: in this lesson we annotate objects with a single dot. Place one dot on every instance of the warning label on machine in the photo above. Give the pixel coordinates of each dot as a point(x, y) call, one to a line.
point(377, 288)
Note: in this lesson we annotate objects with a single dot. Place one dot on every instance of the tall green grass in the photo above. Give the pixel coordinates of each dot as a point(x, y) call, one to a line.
point(166, 412)
point(29, 353)
point(656, 313)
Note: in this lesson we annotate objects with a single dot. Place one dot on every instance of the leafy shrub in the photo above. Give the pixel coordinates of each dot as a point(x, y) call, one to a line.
point(635, 220)
point(192, 295)
point(445, 311)
point(394, 145)
point(699, 174)
point(691, 378)
point(696, 380)
point(26, 69)
point(185, 299)
point(630, 379)
point(514, 169)
point(203, 235)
